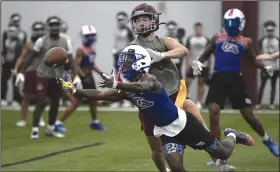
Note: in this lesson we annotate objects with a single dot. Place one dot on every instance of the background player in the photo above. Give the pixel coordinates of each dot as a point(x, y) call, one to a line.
point(45, 81)
point(175, 127)
point(196, 44)
point(123, 36)
point(29, 77)
point(266, 56)
point(229, 48)
point(85, 59)
point(269, 44)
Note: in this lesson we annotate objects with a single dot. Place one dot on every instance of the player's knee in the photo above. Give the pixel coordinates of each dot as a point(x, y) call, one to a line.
point(214, 109)
point(175, 166)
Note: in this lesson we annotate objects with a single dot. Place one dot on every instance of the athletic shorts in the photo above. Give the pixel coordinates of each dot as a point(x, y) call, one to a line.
point(193, 135)
point(228, 84)
point(204, 73)
point(178, 98)
point(88, 81)
point(29, 86)
point(48, 86)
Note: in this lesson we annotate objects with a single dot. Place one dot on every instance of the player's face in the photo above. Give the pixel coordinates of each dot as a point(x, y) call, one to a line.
point(122, 21)
point(54, 28)
point(198, 30)
point(172, 30)
point(90, 39)
point(12, 33)
point(143, 23)
point(270, 33)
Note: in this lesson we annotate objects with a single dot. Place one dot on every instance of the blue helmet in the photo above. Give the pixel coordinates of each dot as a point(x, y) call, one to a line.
point(234, 22)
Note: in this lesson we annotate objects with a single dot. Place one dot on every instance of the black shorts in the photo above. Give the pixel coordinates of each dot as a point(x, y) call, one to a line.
point(265, 76)
point(88, 81)
point(193, 135)
point(229, 84)
point(204, 73)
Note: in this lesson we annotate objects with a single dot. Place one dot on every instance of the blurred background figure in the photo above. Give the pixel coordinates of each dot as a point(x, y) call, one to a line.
point(172, 31)
point(123, 36)
point(28, 78)
point(269, 43)
point(12, 46)
point(196, 44)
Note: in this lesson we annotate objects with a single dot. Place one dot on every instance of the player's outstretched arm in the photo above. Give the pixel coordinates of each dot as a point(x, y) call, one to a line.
point(25, 51)
point(175, 49)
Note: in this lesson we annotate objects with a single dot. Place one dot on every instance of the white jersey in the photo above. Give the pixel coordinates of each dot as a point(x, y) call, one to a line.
point(196, 45)
point(270, 46)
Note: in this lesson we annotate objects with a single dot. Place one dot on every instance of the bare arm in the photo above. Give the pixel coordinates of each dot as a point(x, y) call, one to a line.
point(78, 60)
point(26, 50)
point(250, 53)
point(274, 55)
point(95, 94)
point(208, 51)
point(97, 69)
point(175, 49)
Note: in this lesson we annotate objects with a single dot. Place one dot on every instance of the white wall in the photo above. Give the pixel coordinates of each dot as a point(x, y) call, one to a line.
point(101, 14)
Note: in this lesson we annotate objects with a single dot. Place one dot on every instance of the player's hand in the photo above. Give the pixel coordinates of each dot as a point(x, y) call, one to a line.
point(197, 67)
point(109, 83)
point(66, 85)
point(156, 56)
point(269, 69)
point(77, 82)
point(19, 79)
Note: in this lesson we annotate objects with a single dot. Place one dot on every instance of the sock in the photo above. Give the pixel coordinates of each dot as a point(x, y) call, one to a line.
point(57, 122)
point(35, 129)
point(95, 121)
point(265, 137)
point(233, 135)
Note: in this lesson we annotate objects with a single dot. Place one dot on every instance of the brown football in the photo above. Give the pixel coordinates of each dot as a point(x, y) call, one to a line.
point(56, 57)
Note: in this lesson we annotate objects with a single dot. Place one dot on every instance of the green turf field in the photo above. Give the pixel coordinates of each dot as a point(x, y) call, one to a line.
point(124, 148)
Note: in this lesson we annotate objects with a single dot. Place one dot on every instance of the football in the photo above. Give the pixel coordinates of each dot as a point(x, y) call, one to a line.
point(55, 57)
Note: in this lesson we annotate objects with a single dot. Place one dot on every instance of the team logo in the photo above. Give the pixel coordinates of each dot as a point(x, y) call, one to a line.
point(139, 12)
point(142, 103)
point(230, 48)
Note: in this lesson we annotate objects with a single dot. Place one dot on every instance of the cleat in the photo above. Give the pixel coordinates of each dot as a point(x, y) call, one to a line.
point(42, 122)
point(97, 126)
point(60, 127)
point(49, 132)
point(34, 135)
point(21, 123)
point(258, 107)
point(241, 137)
point(224, 167)
point(211, 163)
point(274, 149)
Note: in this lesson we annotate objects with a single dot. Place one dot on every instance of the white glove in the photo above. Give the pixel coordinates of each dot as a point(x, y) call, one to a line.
point(156, 56)
point(19, 78)
point(197, 67)
point(269, 69)
point(78, 82)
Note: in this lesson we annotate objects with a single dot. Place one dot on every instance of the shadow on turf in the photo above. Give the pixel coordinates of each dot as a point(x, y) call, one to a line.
point(51, 154)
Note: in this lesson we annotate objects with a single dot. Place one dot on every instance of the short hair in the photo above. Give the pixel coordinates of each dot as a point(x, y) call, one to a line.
point(171, 22)
point(197, 24)
point(122, 13)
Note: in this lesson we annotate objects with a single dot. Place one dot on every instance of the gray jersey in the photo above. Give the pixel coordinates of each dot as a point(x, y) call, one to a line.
point(270, 46)
point(34, 65)
point(123, 37)
point(196, 45)
point(42, 45)
point(165, 71)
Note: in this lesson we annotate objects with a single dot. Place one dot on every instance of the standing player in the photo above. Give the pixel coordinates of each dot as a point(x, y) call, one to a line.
point(123, 36)
point(45, 82)
point(145, 22)
point(196, 45)
point(229, 48)
point(175, 127)
point(29, 90)
point(269, 44)
point(85, 59)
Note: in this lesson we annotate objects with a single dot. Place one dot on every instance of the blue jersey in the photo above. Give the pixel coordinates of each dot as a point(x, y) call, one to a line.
point(88, 60)
point(229, 52)
point(156, 106)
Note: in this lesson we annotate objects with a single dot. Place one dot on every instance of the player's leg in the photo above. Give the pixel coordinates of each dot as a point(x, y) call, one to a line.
point(154, 143)
point(273, 88)
point(264, 77)
point(173, 153)
point(241, 101)
point(95, 123)
point(29, 89)
point(59, 124)
point(200, 91)
point(41, 97)
point(189, 77)
point(5, 76)
point(54, 93)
